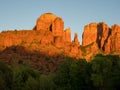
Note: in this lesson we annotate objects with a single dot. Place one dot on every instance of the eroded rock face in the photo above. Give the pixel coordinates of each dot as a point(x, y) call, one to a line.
point(107, 39)
point(113, 43)
point(76, 41)
point(57, 27)
point(90, 34)
point(103, 32)
point(44, 21)
point(67, 35)
point(50, 22)
point(49, 36)
point(58, 41)
point(115, 38)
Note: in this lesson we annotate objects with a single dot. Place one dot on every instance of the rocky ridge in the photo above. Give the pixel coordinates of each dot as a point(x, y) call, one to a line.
point(50, 38)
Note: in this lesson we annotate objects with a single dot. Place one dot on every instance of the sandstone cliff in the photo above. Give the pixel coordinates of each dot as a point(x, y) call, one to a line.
point(49, 37)
point(48, 32)
point(106, 38)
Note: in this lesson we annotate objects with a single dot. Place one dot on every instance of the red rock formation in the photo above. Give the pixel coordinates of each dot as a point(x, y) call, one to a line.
point(113, 42)
point(58, 41)
point(115, 38)
point(50, 22)
point(90, 34)
point(50, 38)
point(44, 21)
point(103, 32)
point(74, 50)
point(67, 35)
point(76, 41)
point(57, 27)
point(108, 40)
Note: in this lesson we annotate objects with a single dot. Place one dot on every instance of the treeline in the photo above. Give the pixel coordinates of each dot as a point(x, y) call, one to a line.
point(102, 73)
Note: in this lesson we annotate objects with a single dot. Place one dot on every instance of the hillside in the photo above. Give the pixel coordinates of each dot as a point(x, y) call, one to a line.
point(45, 58)
point(48, 43)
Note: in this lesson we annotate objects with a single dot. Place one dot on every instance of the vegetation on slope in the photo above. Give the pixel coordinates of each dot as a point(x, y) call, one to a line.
point(102, 73)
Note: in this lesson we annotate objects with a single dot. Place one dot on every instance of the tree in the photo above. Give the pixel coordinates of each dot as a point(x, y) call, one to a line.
point(79, 73)
point(101, 73)
point(6, 77)
point(46, 82)
point(62, 78)
point(24, 78)
point(115, 77)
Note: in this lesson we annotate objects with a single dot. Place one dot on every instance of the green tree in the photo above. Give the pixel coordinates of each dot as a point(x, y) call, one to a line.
point(63, 78)
point(24, 78)
point(80, 77)
point(115, 71)
point(101, 73)
point(5, 77)
point(46, 82)
point(31, 84)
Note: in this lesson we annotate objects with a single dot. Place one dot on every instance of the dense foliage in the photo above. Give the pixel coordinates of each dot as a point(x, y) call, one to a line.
point(102, 73)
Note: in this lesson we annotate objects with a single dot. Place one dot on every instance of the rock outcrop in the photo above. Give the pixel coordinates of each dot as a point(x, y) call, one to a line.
point(44, 21)
point(90, 34)
point(67, 35)
point(103, 32)
point(51, 39)
point(76, 41)
point(57, 27)
point(115, 38)
point(113, 44)
point(50, 22)
point(107, 39)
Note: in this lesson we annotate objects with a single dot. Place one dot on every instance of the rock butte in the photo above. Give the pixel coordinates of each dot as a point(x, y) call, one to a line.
point(50, 37)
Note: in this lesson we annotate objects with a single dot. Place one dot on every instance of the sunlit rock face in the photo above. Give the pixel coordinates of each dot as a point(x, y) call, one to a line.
point(57, 27)
point(113, 44)
point(50, 38)
point(107, 39)
point(50, 22)
point(67, 35)
point(90, 34)
point(44, 21)
point(76, 41)
point(115, 38)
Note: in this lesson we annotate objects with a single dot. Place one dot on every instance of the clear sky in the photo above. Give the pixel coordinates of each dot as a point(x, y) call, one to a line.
point(22, 14)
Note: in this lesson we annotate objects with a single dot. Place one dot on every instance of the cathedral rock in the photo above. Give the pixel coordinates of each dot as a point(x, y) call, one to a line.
point(51, 39)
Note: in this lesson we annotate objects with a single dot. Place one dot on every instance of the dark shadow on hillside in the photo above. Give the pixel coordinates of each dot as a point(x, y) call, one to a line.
point(40, 61)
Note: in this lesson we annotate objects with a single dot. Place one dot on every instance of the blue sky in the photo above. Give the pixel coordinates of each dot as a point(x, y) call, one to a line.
point(22, 14)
